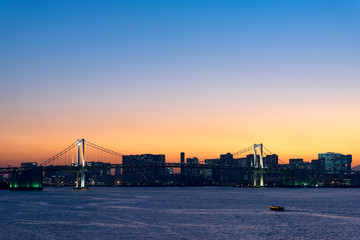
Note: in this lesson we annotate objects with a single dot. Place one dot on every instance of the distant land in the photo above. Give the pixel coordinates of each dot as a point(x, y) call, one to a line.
point(356, 168)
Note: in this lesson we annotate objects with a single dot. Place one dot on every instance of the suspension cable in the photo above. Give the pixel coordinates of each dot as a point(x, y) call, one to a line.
point(244, 150)
point(103, 149)
point(59, 154)
point(272, 154)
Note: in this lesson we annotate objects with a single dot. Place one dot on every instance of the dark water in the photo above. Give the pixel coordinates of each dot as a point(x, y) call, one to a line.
point(180, 213)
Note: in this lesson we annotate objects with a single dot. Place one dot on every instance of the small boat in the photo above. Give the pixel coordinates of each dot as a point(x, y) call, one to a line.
point(81, 188)
point(276, 208)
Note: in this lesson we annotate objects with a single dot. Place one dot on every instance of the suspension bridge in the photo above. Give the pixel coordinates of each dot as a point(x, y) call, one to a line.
point(79, 156)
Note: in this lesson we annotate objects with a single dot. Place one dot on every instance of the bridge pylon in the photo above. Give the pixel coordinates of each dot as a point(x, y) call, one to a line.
point(258, 164)
point(80, 164)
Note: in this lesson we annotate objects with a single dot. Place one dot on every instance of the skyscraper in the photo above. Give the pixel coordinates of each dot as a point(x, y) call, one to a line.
point(336, 163)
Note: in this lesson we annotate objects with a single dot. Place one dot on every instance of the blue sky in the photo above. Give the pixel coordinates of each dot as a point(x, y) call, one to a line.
point(119, 61)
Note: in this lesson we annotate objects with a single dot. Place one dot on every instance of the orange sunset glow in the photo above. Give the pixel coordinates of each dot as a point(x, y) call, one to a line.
point(203, 83)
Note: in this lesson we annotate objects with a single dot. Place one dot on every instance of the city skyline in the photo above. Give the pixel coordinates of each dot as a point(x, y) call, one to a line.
point(205, 78)
point(91, 157)
point(103, 167)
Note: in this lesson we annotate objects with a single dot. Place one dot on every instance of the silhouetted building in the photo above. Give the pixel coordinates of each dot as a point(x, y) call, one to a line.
point(226, 159)
point(192, 175)
point(145, 169)
point(336, 163)
point(272, 161)
point(221, 176)
point(29, 179)
point(182, 170)
point(182, 157)
point(207, 172)
point(247, 161)
point(98, 173)
point(59, 178)
point(317, 165)
point(307, 165)
point(250, 158)
point(28, 165)
point(296, 163)
point(193, 160)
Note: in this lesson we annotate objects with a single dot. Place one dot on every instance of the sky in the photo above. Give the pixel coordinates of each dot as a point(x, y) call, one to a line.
point(164, 77)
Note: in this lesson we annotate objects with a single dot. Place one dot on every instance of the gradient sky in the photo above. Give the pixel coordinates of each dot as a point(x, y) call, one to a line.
point(204, 77)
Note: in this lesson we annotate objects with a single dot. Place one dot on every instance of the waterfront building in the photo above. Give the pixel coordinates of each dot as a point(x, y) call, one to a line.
point(182, 170)
point(221, 176)
point(307, 165)
point(137, 170)
point(182, 157)
point(317, 165)
point(207, 173)
point(192, 175)
point(272, 161)
point(99, 173)
point(250, 159)
point(335, 163)
point(28, 165)
point(296, 163)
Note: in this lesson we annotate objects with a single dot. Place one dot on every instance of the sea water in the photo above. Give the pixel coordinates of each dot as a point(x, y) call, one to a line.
point(180, 213)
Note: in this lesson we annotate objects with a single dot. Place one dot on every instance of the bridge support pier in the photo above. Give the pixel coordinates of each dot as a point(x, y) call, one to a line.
point(260, 177)
point(255, 178)
point(80, 179)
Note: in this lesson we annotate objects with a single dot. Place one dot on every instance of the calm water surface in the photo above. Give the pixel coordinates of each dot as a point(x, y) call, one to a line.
point(180, 213)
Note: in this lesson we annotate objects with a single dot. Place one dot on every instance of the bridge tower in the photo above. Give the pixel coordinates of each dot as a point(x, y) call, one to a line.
point(80, 173)
point(259, 164)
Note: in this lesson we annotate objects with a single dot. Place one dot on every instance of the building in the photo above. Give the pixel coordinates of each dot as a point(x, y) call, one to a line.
point(317, 165)
point(222, 176)
point(145, 169)
point(296, 163)
point(192, 175)
point(307, 166)
point(272, 161)
point(226, 159)
point(182, 157)
point(207, 172)
point(98, 173)
point(30, 178)
point(253, 163)
point(28, 165)
point(182, 170)
point(335, 163)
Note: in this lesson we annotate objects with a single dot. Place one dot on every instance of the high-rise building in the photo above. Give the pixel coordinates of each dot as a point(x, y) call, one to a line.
point(335, 163)
point(225, 176)
point(182, 157)
point(226, 158)
point(182, 170)
point(317, 165)
point(192, 175)
point(207, 173)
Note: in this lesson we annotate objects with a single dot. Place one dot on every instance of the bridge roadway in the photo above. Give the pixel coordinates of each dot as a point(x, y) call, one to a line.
point(150, 165)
